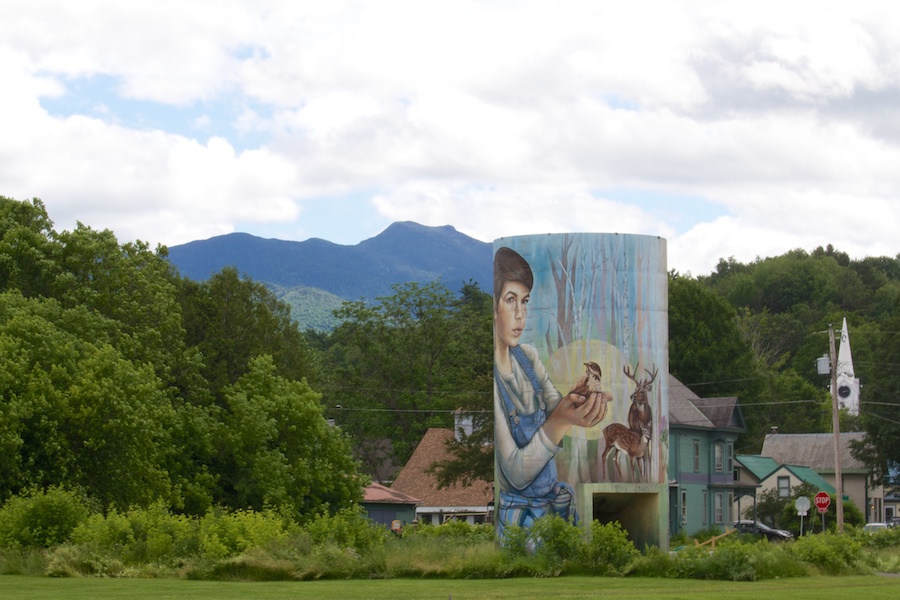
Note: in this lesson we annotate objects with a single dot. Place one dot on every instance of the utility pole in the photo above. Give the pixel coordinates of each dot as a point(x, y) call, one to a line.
point(835, 417)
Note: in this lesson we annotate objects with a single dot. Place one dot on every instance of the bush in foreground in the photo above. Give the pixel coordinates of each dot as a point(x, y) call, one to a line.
point(40, 518)
point(267, 545)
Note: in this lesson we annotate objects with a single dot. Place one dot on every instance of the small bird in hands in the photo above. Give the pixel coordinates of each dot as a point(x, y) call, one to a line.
point(589, 383)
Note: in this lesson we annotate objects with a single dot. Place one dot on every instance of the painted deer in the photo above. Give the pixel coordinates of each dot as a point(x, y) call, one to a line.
point(622, 439)
point(640, 415)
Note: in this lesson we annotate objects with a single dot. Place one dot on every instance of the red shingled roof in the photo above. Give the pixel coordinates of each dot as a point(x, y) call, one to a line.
point(378, 493)
point(413, 479)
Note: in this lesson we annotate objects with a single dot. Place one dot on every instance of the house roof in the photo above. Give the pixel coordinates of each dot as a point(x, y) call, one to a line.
point(682, 407)
point(722, 412)
point(690, 410)
point(762, 467)
point(807, 475)
point(414, 480)
point(379, 494)
point(759, 466)
point(814, 450)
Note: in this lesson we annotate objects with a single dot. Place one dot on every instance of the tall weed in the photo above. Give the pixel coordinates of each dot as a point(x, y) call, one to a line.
point(349, 528)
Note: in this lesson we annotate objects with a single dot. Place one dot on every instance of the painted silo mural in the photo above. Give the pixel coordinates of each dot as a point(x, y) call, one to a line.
point(580, 380)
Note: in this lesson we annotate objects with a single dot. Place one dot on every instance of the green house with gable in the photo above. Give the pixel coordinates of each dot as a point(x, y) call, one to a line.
point(767, 473)
point(703, 489)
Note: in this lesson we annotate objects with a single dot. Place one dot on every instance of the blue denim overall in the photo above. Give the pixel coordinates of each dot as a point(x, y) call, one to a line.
point(545, 493)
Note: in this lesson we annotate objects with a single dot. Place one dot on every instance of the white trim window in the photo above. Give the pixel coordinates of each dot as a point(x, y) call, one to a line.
point(784, 487)
point(720, 458)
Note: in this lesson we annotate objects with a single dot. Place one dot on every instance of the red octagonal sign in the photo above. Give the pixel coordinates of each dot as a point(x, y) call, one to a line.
point(823, 501)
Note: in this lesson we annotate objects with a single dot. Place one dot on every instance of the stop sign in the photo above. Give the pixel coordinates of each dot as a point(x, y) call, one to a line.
point(823, 501)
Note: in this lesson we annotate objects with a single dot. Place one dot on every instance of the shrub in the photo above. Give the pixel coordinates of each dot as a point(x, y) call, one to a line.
point(731, 561)
point(141, 535)
point(885, 538)
point(558, 546)
point(456, 530)
point(556, 542)
point(776, 561)
point(226, 534)
point(160, 536)
point(349, 528)
point(608, 551)
point(516, 541)
point(41, 518)
point(109, 533)
point(831, 553)
point(654, 563)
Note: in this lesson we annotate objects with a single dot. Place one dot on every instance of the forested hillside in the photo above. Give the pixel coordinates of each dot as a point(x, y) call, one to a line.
point(781, 308)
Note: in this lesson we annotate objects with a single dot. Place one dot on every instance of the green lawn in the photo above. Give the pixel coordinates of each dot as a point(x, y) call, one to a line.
point(873, 587)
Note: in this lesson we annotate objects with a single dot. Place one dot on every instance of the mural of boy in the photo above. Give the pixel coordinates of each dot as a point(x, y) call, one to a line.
point(531, 416)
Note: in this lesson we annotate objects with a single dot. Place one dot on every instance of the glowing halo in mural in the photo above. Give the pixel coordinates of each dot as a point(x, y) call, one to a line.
point(566, 365)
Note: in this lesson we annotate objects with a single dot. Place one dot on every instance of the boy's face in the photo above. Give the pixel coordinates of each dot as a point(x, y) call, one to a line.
point(510, 313)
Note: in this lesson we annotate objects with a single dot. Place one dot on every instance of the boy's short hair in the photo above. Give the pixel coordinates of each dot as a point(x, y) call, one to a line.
point(510, 266)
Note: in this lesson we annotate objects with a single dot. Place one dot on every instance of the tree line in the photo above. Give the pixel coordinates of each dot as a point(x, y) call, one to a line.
point(121, 378)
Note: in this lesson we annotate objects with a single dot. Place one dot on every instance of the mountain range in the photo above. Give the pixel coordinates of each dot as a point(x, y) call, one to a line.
point(315, 276)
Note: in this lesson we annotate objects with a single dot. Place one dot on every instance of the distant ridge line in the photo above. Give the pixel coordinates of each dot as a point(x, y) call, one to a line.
point(404, 252)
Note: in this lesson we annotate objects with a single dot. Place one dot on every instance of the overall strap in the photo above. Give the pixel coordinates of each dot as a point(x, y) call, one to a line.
point(527, 367)
point(508, 406)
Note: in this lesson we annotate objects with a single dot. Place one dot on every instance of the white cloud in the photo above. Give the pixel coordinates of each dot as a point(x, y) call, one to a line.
point(497, 118)
point(511, 210)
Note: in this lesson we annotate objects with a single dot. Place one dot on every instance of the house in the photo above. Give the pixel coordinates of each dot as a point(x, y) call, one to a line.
point(891, 505)
point(702, 484)
point(769, 474)
point(389, 507)
point(816, 451)
point(472, 503)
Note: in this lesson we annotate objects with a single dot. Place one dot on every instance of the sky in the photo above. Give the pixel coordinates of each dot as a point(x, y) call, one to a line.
point(731, 129)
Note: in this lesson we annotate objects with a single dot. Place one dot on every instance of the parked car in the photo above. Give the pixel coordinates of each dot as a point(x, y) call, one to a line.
point(873, 527)
point(894, 522)
point(755, 527)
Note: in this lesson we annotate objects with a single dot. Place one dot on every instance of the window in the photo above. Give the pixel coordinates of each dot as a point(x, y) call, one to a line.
point(719, 510)
point(720, 460)
point(705, 508)
point(730, 458)
point(784, 487)
point(684, 507)
point(729, 507)
point(696, 456)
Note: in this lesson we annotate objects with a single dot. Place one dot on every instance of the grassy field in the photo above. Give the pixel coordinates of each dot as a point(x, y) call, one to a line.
point(872, 587)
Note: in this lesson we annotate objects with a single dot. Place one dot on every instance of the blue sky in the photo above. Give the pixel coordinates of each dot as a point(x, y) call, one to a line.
point(729, 129)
